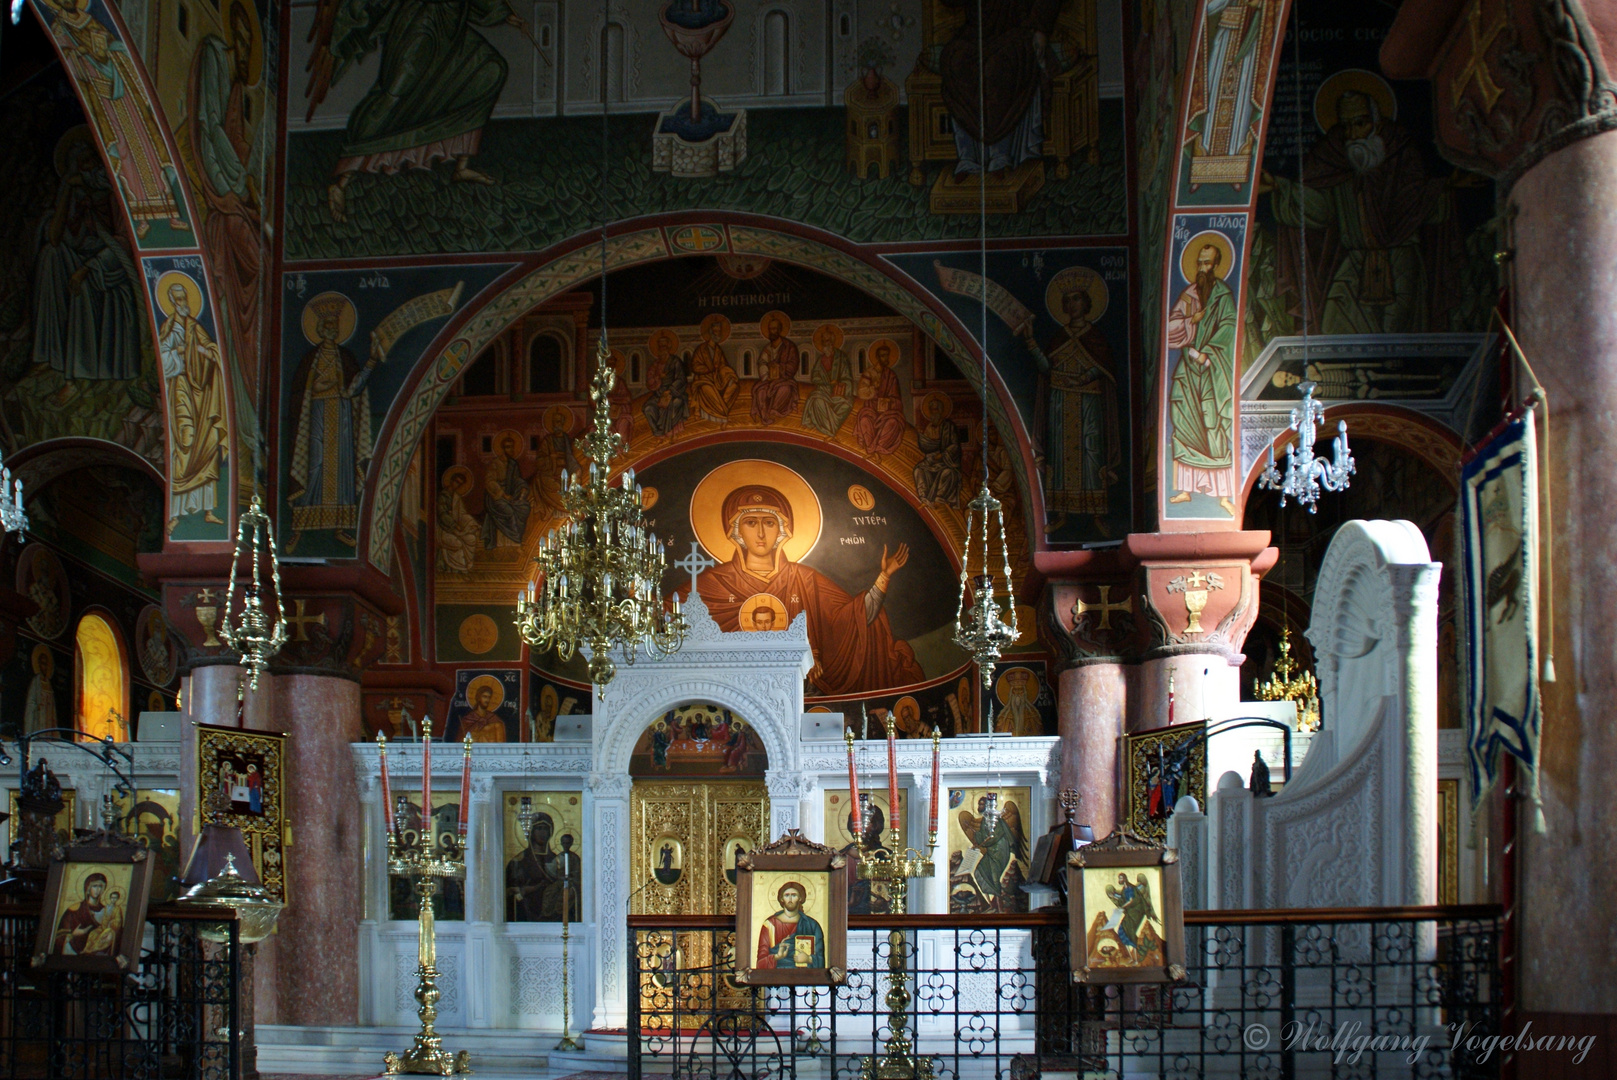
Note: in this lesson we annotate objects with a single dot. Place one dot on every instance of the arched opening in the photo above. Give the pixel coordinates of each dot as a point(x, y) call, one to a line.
point(101, 680)
point(547, 365)
point(698, 801)
point(777, 54)
point(482, 378)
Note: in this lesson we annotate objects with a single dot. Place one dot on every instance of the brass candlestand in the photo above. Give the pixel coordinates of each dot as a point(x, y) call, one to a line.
point(895, 868)
point(415, 854)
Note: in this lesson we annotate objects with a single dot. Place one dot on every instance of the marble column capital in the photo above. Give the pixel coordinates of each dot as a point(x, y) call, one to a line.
point(1494, 114)
point(1161, 594)
point(337, 618)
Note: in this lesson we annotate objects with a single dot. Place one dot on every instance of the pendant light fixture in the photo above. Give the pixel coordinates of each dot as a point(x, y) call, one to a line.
point(1306, 473)
point(980, 627)
point(599, 579)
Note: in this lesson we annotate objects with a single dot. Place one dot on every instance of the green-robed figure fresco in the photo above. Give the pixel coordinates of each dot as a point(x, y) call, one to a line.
point(435, 88)
point(1201, 398)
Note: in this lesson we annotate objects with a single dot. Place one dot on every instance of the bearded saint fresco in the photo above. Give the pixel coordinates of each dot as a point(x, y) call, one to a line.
point(854, 646)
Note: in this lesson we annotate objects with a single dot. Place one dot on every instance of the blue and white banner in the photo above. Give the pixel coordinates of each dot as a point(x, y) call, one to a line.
point(1499, 555)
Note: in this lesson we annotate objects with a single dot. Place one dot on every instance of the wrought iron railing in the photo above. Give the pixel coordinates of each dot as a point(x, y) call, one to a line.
point(1371, 992)
point(175, 1017)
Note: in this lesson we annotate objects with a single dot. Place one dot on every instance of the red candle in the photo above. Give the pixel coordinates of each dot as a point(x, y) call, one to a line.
point(937, 754)
point(465, 784)
point(426, 783)
point(853, 791)
point(387, 788)
point(892, 773)
point(1170, 699)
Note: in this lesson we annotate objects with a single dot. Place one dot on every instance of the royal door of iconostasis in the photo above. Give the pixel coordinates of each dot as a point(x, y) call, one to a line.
point(698, 801)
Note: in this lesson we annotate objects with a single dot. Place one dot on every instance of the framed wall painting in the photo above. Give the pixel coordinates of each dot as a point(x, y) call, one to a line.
point(792, 915)
point(1126, 912)
point(988, 858)
point(94, 911)
point(241, 781)
point(1158, 767)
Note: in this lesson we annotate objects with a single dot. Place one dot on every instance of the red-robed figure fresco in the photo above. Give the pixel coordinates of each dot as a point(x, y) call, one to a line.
point(854, 647)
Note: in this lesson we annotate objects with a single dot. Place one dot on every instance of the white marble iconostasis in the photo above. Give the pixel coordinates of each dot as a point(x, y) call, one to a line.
point(496, 974)
point(153, 766)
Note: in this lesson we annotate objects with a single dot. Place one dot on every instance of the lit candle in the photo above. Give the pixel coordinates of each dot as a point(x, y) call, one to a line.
point(387, 788)
point(853, 788)
point(426, 780)
point(932, 814)
point(892, 772)
point(465, 784)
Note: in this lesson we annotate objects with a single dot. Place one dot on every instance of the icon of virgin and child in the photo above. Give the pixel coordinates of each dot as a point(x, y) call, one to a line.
point(766, 528)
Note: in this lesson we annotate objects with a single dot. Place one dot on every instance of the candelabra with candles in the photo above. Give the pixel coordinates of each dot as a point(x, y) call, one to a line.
point(894, 867)
point(428, 857)
point(1305, 472)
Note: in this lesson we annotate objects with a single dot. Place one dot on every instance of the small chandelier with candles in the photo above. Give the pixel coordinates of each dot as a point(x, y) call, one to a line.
point(979, 626)
point(600, 572)
point(1305, 473)
point(13, 518)
point(258, 629)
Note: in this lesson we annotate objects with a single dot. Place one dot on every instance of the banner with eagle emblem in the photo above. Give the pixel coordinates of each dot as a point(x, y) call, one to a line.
point(1499, 561)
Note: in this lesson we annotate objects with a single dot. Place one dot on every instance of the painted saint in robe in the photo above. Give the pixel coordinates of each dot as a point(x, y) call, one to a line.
point(1007, 127)
point(76, 929)
point(791, 937)
point(115, 99)
point(775, 394)
point(668, 404)
point(937, 474)
point(1003, 847)
point(459, 534)
point(505, 495)
point(1201, 397)
point(853, 643)
point(1083, 450)
point(880, 424)
point(831, 401)
point(196, 401)
point(435, 88)
point(714, 384)
point(87, 315)
point(230, 148)
point(331, 421)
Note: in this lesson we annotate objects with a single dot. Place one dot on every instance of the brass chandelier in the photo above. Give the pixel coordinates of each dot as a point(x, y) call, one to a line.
point(599, 580)
point(600, 571)
point(979, 626)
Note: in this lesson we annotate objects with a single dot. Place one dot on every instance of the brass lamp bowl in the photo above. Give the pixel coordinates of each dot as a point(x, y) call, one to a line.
point(255, 909)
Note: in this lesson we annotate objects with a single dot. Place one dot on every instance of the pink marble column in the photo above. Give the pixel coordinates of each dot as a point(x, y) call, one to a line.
point(1091, 700)
point(309, 971)
point(1205, 686)
point(1565, 272)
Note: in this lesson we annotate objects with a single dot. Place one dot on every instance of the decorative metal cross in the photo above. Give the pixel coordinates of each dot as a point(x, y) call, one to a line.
point(694, 563)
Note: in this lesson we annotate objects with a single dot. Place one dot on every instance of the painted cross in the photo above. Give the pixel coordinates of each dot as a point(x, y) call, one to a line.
point(1476, 65)
point(299, 621)
point(1105, 608)
point(697, 238)
point(694, 563)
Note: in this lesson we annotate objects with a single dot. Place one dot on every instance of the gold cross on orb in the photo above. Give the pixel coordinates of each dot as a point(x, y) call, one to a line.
point(1105, 607)
point(1476, 66)
point(300, 621)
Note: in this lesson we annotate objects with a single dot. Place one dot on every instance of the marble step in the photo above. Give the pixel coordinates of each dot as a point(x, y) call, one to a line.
point(495, 1053)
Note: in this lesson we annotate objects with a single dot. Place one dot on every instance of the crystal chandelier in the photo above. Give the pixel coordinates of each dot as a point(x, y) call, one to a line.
point(13, 518)
point(600, 571)
point(979, 626)
point(1305, 473)
point(258, 630)
point(1290, 681)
